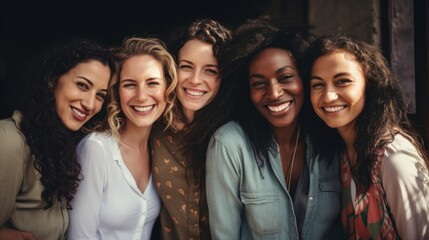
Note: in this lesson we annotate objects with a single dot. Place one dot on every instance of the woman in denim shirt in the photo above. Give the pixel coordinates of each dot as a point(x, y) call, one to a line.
point(262, 179)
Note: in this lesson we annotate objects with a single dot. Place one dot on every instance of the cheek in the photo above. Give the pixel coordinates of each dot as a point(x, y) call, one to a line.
point(360, 103)
point(314, 97)
point(255, 96)
point(216, 85)
point(161, 95)
point(182, 76)
point(98, 106)
point(123, 98)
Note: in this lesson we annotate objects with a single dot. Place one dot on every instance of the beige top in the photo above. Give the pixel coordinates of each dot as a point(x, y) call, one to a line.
point(405, 179)
point(21, 203)
point(181, 214)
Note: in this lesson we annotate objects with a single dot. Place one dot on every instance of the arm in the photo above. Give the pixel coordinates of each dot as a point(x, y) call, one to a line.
point(7, 234)
point(405, 181)
point(223, 193)
point(84, 217)
point(12, 164)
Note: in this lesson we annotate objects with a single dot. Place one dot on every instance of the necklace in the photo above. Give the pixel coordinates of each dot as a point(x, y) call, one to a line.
point(293, 158)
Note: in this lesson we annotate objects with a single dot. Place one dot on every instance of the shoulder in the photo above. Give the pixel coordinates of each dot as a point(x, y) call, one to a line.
point(11, 138)
point(400, 144)
point(231, 138)
point(401, 158)
point(102, 139)
point(401, 148)
point(14, 152)
point(229, 131)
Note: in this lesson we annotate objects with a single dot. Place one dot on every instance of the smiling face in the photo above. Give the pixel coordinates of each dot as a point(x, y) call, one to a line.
point(80, 93)
point(198, 76)
point(142, 89)
point(276, 88)
point(337, 89)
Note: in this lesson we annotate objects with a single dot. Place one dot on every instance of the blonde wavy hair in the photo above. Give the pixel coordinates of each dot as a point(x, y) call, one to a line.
point(136, 46)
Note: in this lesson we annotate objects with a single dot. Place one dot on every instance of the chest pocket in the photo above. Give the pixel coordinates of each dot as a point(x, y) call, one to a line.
point(262, 211)
point(329, 198)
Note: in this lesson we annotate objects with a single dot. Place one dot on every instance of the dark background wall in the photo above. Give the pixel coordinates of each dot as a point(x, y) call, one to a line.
point(28, 28)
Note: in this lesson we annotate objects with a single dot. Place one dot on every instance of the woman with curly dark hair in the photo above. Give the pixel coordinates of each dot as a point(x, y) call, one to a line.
point(384, 166)
point(39, 172)
point(178, 160)
point(261, 177)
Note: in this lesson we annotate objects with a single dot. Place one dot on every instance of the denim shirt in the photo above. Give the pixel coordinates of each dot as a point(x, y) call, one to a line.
point(245, 205)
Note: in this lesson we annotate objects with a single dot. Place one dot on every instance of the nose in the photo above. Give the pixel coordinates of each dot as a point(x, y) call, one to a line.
point(195, 78)
point(330, 95)
point(88, 102)
point(141, 94)
point(274, 90)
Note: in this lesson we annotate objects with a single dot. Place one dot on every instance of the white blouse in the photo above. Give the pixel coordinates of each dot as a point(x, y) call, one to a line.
point(108, 203)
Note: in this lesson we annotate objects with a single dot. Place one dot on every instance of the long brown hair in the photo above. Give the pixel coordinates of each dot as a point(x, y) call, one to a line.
point(385, 111)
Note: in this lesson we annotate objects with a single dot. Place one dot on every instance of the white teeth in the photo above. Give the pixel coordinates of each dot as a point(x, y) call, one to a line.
point(194, 93)
point(79, 113)
point(279, 108)
point(334, 109)
point(144, 109)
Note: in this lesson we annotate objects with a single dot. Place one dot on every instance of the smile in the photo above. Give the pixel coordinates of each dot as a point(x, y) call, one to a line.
point(279, 108)
point(334, 109)
point(79, 113)
point(194, 93)
point(144, 109)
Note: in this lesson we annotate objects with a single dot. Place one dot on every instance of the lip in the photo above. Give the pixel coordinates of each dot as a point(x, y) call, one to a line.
point(333, 109)
point(194, 93)
point(279, 108)
point(143, 110)
point(78, 114)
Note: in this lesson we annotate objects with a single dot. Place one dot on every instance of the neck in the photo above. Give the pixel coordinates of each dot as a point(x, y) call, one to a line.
point(135, 137)
point(189, 115)
point(349, 136)
point(286, 135)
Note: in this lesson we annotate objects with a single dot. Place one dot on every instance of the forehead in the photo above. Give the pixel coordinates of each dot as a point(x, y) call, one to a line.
point(196, 50)
point(336, 59)
point(272, 57)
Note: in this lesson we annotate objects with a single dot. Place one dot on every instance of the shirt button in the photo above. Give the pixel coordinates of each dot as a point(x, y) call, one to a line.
point(310, 198)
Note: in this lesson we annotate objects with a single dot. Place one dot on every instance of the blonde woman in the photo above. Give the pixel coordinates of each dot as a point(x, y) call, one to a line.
point(116, 198)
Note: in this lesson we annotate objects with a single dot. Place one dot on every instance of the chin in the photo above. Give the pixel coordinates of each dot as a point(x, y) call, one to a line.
point(73, 127)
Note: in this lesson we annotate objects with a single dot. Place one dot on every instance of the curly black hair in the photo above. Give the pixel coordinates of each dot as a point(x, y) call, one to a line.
point(51, 143)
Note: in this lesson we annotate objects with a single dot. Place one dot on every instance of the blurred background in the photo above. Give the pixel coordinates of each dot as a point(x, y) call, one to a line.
point(398, 27)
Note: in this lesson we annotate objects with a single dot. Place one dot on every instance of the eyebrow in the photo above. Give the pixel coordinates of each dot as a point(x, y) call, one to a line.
point(341, 74)
point(278, 71)
point(147, 79)
point(335, 76)
point(284, 68)
point(189, 62)
point(87, 80)
point(90, 82)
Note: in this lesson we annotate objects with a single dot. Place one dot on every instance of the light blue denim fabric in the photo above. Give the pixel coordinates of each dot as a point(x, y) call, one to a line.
point(245, 205)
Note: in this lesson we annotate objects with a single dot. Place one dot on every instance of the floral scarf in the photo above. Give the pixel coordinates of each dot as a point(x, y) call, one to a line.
point(369, 218)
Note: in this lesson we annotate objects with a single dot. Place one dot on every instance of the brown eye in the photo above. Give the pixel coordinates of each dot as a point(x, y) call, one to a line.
point(185, 67)
point(82, 85)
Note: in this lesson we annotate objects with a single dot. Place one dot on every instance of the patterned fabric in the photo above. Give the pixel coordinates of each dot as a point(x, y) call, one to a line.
point(368, 216)
point(182, 216)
